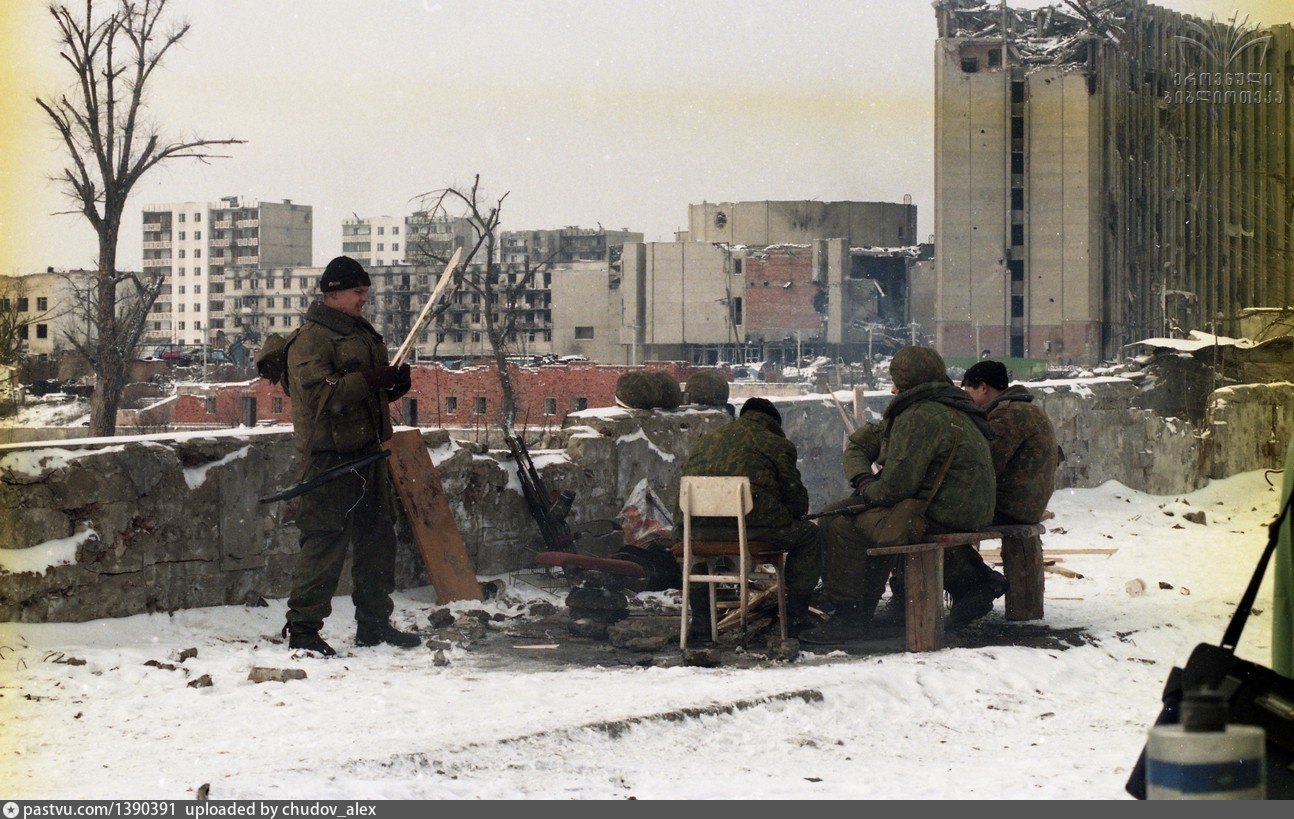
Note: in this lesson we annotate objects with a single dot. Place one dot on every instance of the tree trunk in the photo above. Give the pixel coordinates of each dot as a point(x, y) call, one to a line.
point(109, 359)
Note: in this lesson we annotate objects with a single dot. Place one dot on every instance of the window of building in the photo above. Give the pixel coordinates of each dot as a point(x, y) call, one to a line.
point(272, 321)
point(197, 217)
point(458, 337)
point(157, 325)
point(42, 304)
point(197, 307)
point(181, 236)
point(181, 217)
point(276, 404)
point(22, 304)
point(211, 405)
point(1017, 235)
point(583, 333)
point(197, 234)
point(970, 65)
point(1017, 91)
point(451, 405)
point(1017, 127)
point(395, 246)
point(395, 231)
point(269, 302)
point(180, 307)
point(1016, 266)
point(181, 253)
point(579, 403)
point(381, 246)
point(23, 332)
point(995, 58)
point(1017, 162)
point(197, 325)
point(180, 271)
point(197, 253)
point(301, 301)
point(197, 288)
point(197, 271)
point(380, 231)
point(180, 290)
point(550, 406)
point(736, 311)
point(480, 404)
point(1017, 306)
point(42, 331)
point(1017, 199)
point(181, 323)
point(476, 338)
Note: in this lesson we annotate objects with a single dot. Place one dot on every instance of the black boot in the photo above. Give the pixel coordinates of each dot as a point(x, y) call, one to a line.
point(850, 623)
point(371, 634)
point(798, 616)
point(307, 639)
point(974, 602)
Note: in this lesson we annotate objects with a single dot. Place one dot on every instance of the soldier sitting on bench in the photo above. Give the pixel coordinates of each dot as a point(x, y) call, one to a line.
point(937, 477)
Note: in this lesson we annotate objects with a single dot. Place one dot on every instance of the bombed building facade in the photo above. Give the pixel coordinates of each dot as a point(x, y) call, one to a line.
point(1107, 172)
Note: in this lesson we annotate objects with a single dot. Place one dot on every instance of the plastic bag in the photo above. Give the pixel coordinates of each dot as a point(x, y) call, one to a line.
point(644, 518)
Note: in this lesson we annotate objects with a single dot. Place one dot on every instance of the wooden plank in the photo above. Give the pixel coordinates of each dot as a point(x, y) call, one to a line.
point(427, 509)
point(925, 606)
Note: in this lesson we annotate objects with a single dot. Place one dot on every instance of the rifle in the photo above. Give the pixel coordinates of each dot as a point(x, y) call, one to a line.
point(326, 476)
point(548, 513)
point(852, 509)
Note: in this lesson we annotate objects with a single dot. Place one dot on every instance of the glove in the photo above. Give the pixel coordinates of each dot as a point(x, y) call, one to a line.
point(861, 481)
point(402, 386)
point(383, 378)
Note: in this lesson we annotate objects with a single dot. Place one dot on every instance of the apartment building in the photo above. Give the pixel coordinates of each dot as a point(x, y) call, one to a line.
point(380, 241)
point(860, 224)
point(195, 245)
point(47, 310)
point(1106, 177)
point(564, 245)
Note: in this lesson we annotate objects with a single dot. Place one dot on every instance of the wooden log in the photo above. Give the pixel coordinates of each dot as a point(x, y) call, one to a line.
point(925, 605)
point(1022, 557)
point(427, 508)
point(1062, 571)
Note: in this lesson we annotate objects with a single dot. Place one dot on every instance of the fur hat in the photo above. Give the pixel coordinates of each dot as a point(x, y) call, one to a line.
point(917, 365)
point(761, 405)
point(343, 273)
point(992, 373)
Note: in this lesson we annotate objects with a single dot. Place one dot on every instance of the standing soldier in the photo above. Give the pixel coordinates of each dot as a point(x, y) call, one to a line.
point(341, 382)
point(1025, 453)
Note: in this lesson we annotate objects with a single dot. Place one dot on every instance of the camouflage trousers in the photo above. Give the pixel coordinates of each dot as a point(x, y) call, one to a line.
point(355, 511)
point(802, 540)
point(853, 577)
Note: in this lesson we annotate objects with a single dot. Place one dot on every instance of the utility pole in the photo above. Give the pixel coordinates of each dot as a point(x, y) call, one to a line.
point(912, 331)
point(977, 347)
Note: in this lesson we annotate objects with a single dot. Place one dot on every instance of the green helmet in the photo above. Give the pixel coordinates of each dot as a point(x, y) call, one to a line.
point(707, 387)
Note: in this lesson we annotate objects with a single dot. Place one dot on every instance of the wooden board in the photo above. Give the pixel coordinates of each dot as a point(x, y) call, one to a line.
point(427, 508)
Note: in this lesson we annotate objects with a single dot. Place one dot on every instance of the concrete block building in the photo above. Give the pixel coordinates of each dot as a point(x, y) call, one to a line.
point(1105, 178)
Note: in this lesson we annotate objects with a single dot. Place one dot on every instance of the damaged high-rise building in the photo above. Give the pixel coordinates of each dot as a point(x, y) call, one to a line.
point(1105, 172)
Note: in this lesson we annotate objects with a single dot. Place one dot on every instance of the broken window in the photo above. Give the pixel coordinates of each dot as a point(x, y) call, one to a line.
point(481, 404)
point(1017, 235)
point(970, 65)
point(451, 405)
point(550, 406)
point(583, 333)
point(579, 403)
point(995, 58)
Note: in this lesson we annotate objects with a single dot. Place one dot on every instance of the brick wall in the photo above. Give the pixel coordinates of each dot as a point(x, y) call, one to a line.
point(773, 308)
point(446, 398)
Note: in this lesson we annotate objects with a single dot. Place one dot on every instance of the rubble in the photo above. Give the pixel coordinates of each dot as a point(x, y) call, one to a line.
point(260, 674)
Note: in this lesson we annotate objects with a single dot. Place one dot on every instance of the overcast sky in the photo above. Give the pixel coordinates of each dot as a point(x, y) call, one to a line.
point(619, 113)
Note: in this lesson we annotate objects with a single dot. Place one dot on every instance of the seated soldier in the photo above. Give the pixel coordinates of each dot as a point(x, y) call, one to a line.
point(1025, 453)
point(755, 447)
point(936, 476)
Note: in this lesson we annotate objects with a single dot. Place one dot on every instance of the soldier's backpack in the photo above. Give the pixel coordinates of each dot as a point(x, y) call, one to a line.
point(272, 360)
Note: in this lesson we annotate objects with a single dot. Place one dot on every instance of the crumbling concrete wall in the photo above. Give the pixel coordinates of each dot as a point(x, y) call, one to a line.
point(1248, 427)
point(173, 522)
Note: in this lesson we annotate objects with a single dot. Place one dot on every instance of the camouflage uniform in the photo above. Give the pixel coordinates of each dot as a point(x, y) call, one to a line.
point(911, 444)
point(755, 447)
point(337, 418)
point(1025, 456)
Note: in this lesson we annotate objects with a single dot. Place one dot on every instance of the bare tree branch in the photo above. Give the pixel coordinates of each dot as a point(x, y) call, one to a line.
point(112, 49)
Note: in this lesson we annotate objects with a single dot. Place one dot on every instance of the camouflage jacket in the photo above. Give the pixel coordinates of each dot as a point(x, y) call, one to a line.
point(754, 446)
point(915, 442)
point(1025, 455)
point(333, 410)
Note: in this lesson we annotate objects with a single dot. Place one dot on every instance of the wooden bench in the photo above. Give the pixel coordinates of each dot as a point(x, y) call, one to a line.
point(924, 578)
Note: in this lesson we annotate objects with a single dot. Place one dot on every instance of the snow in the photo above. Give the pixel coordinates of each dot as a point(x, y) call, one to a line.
point(640, 435)
point(38, 462)
point(1002, 721)
point(195, 476)
point(42, 557)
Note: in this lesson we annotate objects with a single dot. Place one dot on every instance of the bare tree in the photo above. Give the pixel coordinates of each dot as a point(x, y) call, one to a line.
point(110, 145)
point(500, 288)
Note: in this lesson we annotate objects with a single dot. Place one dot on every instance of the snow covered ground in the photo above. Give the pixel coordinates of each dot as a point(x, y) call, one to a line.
point(54, 410)
point(996, 722)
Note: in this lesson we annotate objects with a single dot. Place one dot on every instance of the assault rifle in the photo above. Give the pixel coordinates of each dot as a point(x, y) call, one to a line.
point(326, 476)
point(852, 509)
point(550, 514)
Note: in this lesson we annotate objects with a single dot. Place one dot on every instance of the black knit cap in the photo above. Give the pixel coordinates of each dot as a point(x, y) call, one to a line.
point(343, 273)
point(992, 373)
point(761, 405)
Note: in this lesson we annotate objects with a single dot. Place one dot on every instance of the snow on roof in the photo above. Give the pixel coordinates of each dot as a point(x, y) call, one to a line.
point(1197, 341)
